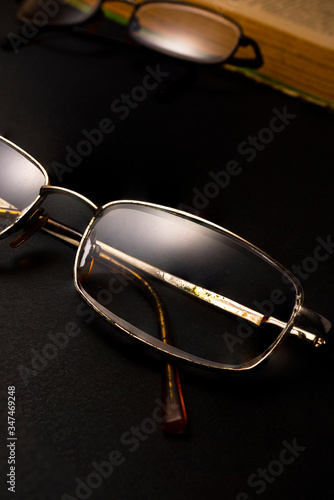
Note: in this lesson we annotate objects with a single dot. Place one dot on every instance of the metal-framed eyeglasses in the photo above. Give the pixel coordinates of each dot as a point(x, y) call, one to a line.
point(186, 287)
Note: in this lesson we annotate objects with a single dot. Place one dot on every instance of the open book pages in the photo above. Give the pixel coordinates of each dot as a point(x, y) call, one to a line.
point(312, 20)
point(296, 38)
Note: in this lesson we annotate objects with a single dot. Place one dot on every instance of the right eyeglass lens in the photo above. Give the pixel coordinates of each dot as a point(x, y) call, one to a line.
point(134, 253)
point(185, 31)
point(20, 183)
point(56, 12)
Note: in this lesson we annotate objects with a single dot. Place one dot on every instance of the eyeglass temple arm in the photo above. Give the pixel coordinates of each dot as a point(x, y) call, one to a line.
point(175, 415)
point(306, 319)
point(248, 62)
point(174, 420)
point(174, 411)
point(74, 237)
point(309, 326)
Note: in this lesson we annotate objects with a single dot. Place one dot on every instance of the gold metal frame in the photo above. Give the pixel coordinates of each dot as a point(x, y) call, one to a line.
point(32, 218)
point(224, 303)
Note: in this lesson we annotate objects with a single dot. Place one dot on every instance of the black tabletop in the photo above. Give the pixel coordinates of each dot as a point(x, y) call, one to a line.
point(247, 157)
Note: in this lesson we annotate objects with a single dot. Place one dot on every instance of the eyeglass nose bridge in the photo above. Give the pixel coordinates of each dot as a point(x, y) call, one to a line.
point(58, 229)
point(37, 220)
point(49, 189)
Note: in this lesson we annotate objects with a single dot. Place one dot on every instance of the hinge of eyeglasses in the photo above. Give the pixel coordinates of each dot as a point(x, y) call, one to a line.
point(309, 326)
point(302, 334)
point(36, 221)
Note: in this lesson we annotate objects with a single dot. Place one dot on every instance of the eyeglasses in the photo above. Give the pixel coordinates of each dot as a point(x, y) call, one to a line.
point(178, 29)
point(181, 285)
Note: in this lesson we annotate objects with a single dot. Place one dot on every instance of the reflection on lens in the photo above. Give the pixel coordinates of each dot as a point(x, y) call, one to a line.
point(21, 181)
point(185, 31)
point(59, 12)
point(217, 290)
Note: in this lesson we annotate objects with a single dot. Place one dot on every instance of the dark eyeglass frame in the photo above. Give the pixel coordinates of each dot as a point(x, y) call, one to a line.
point(97, 15)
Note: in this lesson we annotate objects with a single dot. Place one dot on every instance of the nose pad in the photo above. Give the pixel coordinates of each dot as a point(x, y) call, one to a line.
point(85, 269)
point(33, 224)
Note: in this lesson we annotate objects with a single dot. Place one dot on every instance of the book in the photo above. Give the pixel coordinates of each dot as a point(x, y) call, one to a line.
point(296, 39)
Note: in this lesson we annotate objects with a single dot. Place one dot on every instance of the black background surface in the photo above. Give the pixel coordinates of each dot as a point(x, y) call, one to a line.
point(76, 410)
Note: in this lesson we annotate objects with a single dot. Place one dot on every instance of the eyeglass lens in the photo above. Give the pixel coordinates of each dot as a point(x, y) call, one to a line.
point(21, 181)
point(61, 13)
point(131, 248)
point(184, 31)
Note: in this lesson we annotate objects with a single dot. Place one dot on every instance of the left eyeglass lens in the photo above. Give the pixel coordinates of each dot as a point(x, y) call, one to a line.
point(57, 12)
point(20, 183)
